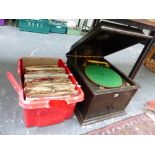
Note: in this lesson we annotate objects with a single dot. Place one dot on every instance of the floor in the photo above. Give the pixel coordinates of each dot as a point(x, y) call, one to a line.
point(15, 44)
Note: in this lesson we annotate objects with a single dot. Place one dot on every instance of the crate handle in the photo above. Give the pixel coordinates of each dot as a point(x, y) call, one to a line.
point(14, 83)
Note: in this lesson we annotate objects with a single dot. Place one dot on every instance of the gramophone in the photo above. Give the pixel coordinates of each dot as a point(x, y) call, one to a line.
point(107, 90)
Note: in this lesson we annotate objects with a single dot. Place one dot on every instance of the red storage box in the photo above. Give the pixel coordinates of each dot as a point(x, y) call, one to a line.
point(45, 111)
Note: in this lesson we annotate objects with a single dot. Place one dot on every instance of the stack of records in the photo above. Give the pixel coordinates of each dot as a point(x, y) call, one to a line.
point(47, 81)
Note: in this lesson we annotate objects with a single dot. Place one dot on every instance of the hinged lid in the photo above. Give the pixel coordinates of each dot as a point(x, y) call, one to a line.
point(107, 38)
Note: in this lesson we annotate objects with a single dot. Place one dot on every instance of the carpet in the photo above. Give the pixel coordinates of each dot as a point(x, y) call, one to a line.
point(135, 125)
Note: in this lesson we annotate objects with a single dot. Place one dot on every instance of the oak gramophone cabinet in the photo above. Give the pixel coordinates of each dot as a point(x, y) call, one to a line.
point(104, 39)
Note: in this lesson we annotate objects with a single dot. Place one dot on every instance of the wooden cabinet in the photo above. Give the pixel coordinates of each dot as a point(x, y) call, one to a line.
point(104, 39)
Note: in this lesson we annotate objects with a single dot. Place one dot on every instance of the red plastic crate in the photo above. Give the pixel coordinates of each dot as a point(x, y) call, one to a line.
point(46, 111)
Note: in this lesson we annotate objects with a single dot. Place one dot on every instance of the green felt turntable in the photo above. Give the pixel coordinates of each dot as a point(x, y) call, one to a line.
point(103, 75)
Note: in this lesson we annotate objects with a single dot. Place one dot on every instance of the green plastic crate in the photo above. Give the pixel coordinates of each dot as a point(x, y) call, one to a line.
point(74, 31)
point(58, 27)
point(30, 25)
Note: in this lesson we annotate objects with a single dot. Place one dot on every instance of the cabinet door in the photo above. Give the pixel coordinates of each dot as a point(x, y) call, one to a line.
point(100, 105)
point(121, 100)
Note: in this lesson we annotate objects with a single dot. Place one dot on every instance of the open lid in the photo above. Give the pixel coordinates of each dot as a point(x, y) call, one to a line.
point(107, 38)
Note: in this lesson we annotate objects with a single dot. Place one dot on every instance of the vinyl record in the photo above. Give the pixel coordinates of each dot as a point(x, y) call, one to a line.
point(103, 76)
